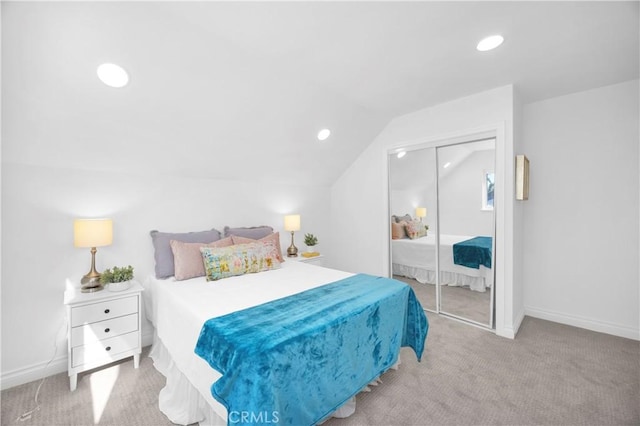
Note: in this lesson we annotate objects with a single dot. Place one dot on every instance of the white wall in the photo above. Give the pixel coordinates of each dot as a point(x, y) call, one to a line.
point(359, 197)
point(40, 203)
point(581, 220)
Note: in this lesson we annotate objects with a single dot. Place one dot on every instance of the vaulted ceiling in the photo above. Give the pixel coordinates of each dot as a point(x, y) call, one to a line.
point(239, 90)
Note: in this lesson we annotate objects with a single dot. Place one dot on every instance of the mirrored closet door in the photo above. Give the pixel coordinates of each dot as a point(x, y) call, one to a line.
point(441, 202)
point(413, 206)
point(466, 223)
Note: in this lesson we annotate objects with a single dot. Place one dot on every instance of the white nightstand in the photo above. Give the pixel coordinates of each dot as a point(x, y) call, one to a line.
point(103, 327)
point(315, 260)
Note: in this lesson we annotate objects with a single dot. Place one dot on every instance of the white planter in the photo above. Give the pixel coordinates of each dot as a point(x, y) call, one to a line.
point(311, 249)
point(122, 286)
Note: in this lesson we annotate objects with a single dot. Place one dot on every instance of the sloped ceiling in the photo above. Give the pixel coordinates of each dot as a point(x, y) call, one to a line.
point(239, 90)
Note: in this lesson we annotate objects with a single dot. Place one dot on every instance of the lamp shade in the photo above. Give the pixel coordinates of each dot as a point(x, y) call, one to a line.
point(292, 222)
point(421, 211)
point(92, 232)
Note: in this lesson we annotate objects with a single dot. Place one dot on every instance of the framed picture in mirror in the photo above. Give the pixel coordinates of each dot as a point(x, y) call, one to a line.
point(488, 184)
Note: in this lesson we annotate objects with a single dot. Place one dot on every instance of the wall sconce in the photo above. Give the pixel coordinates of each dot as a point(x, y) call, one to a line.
point(522, 177)
point(92, 233)
point(292, 224)
point(421, 212)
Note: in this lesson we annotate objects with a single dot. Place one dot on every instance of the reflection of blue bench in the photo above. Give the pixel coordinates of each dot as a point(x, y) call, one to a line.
point(473, 253)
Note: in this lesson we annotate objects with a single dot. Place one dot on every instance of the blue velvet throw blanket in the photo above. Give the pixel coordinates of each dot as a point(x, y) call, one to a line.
point(473, 252)
point(295, 360)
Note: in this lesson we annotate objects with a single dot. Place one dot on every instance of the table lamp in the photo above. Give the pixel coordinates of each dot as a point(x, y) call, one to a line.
point(92, 233)
point(292, 224)
point(421, 212)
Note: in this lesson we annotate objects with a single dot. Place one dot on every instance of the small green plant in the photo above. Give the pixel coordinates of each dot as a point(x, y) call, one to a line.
point(117, 275)
point(310, 240)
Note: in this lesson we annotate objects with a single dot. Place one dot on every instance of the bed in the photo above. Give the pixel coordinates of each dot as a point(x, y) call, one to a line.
point(416, 258)
point(179, 310)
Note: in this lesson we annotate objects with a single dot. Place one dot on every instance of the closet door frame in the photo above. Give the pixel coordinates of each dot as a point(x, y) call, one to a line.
point(503, 292)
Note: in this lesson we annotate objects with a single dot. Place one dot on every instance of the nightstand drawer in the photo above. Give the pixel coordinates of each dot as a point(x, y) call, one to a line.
point(104, 350)
point(94, 332)
point(104, 310)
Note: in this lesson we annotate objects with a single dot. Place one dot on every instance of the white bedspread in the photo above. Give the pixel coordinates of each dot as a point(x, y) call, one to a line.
point(417, 259)
point(178, 309)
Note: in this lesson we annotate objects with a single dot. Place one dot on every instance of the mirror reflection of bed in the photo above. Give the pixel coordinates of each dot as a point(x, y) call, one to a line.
point(441, 205)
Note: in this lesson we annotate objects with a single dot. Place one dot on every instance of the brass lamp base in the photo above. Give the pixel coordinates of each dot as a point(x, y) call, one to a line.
point(91, 281)
point(292, 251)
point(91, 286)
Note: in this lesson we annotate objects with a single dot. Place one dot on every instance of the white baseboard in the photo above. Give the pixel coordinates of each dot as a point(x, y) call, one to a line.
point(510, 332)
point(582, 322)
point(518, 322)
point(34, 372)
point(506, 332)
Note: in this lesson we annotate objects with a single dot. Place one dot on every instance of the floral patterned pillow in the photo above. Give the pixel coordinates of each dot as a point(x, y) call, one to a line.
point(273, 238)
point(238, 260)
point(187, 259)
point(415, 229)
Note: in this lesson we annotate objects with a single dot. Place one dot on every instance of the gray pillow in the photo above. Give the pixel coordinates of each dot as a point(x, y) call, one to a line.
point(163, 253)
point(254, 232)
point(399, 219)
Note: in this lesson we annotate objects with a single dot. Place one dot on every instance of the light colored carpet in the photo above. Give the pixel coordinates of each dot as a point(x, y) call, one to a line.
point(550, 374)
point(115, 395)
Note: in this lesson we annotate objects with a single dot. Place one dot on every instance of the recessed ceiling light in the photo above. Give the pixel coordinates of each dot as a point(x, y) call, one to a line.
point(402, 154)
point(447, 164)
point(324, 134)
point(113, 75)
point(490, 42)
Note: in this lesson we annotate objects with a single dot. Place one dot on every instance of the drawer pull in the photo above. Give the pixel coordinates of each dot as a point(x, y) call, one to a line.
point(108, 348)
point(106, 330)
point(106, 311)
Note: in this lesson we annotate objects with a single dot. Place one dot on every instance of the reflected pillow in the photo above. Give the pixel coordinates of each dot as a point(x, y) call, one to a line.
point(405, 218)
point(238, 260)
point(187, 258)
point(416, 229)
point(273, 238)
point(397, 230)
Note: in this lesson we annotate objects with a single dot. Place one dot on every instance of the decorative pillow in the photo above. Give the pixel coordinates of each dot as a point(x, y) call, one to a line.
point(416, 229)
point(187, 259)
point(254, 232)
point(273, 238)
point(163, 254)
point(397, 230)
point(238, 260)
point(405, 218)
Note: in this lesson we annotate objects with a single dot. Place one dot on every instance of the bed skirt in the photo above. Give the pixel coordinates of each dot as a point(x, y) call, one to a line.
point(183, 404)
point(453, 279)
point(179, 400)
